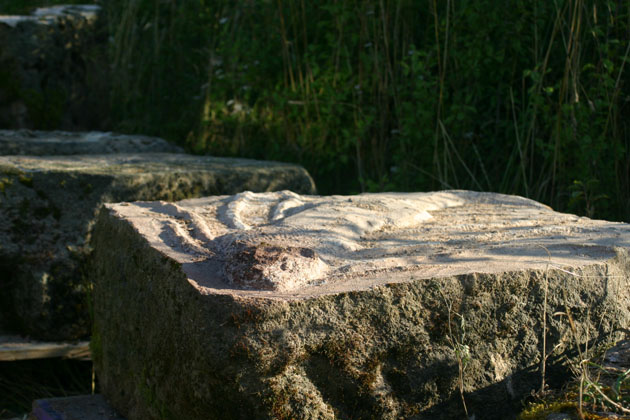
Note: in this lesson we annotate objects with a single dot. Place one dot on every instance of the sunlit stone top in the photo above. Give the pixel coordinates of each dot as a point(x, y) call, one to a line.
point(283, 244)
point(50, 15)
point(41, 143)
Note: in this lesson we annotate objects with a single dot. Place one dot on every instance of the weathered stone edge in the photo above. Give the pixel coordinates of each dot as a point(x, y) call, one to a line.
point(169, 352)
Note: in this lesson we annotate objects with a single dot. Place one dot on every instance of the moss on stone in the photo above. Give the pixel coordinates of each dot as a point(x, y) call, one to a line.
point(543, 411)
point(5, 183)
point(25, 180)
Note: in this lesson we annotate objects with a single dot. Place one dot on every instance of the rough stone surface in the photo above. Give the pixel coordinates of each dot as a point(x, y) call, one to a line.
point(53, 69)
point(285, 306)
point(43, 143)
point(48, 205)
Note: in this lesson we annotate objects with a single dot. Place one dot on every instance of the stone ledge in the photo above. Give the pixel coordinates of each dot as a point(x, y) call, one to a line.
point(48, 205)
point(48, 143)
point(14, 348)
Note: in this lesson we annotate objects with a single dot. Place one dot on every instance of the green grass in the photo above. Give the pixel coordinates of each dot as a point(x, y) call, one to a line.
point(21, 382)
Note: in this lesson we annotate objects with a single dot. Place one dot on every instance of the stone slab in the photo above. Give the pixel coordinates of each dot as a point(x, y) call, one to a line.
point(43, 143)
point(53, 14)
point(279, 305)
point(82, 407)
point(14, 348)
point(48, 205)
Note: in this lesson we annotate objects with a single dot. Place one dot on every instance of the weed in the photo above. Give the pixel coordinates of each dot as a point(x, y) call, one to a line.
point(457, 343)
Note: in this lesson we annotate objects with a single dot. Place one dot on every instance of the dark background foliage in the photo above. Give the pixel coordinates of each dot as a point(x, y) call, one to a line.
point(529, 98)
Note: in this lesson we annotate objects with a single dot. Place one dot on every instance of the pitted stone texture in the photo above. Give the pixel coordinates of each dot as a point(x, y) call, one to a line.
point(284, 242)
point(43, 143)
point(278, 305)
point(48, 205)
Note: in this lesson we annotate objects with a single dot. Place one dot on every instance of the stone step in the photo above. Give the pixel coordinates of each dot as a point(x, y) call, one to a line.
point(43, 143)
point(48, 205)
point(280, 305)
point(14, 348)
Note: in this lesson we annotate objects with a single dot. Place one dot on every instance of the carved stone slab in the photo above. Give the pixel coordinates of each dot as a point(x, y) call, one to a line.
point(279, 305)
point(48, 205)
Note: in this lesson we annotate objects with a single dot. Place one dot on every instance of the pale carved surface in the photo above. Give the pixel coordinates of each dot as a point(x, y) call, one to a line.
point(283, 244)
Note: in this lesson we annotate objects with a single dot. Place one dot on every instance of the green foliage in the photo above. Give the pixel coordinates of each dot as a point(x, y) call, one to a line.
point(529, 99)
point(546, 409)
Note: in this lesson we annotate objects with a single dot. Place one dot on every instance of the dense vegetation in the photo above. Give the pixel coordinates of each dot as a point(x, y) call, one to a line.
point(379, 95)
point(370, 95)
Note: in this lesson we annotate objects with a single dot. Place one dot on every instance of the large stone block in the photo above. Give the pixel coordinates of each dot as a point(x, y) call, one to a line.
point(54, 143)
point(284, 306)
point(48, 205)
point(53, 69)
